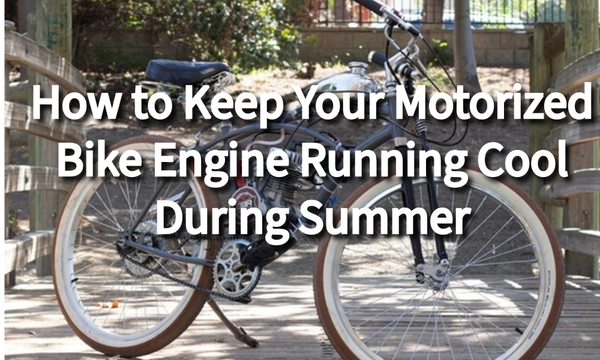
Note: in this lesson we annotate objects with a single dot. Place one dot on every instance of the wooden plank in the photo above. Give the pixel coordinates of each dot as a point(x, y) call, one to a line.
point(541, 70)
point(52, 28)
point(581, 51)
point(282, 317)
point(26, 52)
point(586, 68)
point(574, 133)
point(19, 117)
point(18, 92)
point(539, 74)
point(26, 178)
point(580, 181)
point(17, 138)
point(10, 278)
point(582, 241)
point(26, 248)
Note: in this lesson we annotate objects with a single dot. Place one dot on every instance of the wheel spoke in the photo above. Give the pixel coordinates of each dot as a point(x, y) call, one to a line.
point(492, 287)
point(118, 295)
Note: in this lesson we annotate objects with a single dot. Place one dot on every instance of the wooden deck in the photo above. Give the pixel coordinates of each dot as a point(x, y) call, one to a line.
point(282, 317)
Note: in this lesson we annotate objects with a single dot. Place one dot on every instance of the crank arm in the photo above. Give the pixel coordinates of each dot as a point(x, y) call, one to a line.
point(166, 255)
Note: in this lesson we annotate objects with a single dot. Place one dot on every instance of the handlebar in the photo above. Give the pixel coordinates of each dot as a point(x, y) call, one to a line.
point(397, 62)
point(374, 6)
point(377, 58)
point(380, 59)
point(392, 14)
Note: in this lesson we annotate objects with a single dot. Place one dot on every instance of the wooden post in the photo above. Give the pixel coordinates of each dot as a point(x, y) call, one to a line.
point(542, 68)
point(10, 278)
point(53, 29)
point(581, 38)
point(25, 8)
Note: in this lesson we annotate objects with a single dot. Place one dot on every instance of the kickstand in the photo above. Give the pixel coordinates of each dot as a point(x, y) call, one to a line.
point(239, 332)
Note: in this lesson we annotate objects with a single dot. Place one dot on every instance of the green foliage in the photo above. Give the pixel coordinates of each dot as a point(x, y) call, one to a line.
point(247, 34)
point(444, 52)
point(14, 229)
point(115, 61)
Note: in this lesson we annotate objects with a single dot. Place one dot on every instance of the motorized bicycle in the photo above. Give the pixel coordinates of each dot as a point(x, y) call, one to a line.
point(493, 290)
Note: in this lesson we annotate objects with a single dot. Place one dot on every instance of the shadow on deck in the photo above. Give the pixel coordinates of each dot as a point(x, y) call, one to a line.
point(282, 317)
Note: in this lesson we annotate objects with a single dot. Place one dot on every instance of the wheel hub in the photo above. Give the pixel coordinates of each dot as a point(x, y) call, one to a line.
point(437, 277)
point(146, 235)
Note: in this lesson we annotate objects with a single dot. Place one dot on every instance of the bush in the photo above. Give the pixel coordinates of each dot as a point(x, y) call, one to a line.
point(247, 34)
point(443, 51)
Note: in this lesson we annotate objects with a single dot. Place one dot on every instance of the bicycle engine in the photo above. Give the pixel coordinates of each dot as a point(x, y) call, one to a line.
point(270, 192)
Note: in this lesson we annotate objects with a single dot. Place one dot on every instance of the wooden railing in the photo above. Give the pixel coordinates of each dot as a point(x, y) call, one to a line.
point(23, 51)
point(572, 204)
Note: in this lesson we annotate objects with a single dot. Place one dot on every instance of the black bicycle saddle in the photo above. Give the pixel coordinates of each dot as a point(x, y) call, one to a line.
point(183, 72)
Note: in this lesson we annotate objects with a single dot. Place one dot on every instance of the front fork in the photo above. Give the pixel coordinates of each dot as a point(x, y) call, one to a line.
point(408, 194)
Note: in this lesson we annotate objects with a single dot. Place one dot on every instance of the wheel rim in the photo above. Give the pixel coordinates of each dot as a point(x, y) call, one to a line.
point(391, 317)
point(109, 300)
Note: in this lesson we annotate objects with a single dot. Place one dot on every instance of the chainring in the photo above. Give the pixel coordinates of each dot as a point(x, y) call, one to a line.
point(129, 257)
point(231, 276)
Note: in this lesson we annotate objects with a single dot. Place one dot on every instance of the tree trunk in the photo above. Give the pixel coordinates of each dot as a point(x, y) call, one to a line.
point(464, 54)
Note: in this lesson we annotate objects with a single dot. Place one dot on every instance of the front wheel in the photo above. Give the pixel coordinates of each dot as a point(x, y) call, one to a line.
point(123, 305)
point(500, 297)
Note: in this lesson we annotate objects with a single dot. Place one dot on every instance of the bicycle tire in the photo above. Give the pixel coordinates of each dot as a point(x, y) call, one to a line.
point(112, 304)
point(371, 306)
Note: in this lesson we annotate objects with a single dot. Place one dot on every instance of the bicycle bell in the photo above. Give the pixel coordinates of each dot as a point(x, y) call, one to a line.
point(353, 81)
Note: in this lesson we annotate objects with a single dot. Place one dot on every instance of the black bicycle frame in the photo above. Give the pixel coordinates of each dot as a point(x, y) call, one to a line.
point(408, 195)
point(394, 131)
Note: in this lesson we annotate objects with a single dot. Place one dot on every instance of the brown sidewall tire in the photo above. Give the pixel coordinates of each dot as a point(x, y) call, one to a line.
point(193, 306)
point(535, 349)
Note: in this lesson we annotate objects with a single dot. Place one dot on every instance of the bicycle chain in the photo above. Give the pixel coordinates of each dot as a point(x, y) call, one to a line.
point(123, 254)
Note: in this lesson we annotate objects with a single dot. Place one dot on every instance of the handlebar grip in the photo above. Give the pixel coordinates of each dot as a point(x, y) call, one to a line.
point(413, 31)
point(380, 59)
point(374, 6)
point(377, 58)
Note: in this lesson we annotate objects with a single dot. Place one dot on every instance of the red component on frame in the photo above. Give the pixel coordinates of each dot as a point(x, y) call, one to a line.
point(239, 180)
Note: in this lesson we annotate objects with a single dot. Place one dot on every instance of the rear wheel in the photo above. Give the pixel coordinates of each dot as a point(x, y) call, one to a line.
point(122, 305)
point(499, 299)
